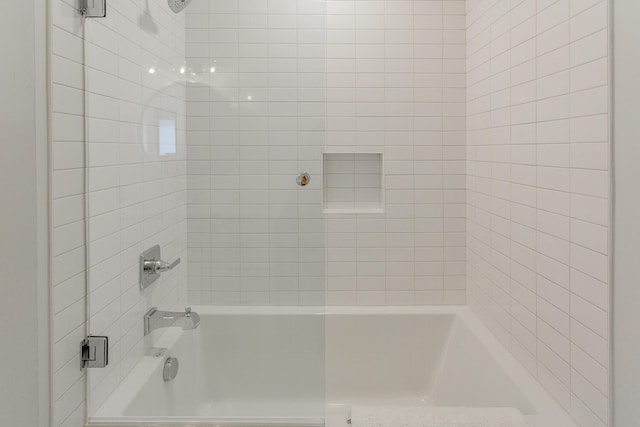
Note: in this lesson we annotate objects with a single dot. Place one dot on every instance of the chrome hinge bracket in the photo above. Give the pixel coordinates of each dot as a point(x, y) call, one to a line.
point(94, 352)
point(93, 8)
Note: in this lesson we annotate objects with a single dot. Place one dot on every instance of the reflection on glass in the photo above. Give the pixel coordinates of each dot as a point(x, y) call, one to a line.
point(167, 137)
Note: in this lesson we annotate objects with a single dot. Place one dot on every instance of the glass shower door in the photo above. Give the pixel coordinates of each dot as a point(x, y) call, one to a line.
point(204, 136)
point(135, 99)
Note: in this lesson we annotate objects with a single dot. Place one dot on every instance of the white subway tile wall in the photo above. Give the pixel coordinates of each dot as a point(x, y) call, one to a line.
point(538, 190)
point(396, 85)
point(276, 83)
point(135, 129)
point(256, 119)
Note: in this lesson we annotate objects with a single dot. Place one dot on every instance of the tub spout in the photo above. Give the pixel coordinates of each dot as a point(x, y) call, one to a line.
point(156, 319)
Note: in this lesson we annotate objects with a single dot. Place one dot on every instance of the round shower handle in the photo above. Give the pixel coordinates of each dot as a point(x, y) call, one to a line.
point(303, 179)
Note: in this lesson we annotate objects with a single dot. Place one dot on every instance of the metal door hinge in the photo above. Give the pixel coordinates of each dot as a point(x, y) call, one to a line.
point(93, 8)
point(94, 352)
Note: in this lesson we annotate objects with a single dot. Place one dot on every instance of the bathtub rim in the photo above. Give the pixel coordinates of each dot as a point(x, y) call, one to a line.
point(548, 410)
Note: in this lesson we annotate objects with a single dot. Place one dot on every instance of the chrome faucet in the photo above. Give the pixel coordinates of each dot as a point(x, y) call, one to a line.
point(155, 319)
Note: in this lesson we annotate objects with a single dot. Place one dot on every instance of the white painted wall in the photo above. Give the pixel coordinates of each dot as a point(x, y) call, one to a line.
point(24, 397)
point(626, 205)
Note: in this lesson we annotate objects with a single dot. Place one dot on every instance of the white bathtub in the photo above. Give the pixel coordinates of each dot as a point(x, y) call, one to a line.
point(304, 367)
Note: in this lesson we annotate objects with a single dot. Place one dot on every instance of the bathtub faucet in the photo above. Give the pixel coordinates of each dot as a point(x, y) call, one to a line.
point(155, 319)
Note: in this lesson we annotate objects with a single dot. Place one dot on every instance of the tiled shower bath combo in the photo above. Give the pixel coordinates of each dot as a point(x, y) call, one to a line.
point(381, 208)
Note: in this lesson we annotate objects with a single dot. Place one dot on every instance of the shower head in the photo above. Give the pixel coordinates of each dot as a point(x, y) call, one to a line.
point(178, 5)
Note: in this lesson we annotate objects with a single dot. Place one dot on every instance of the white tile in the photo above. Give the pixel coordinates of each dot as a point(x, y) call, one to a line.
point(552, 362)
point(554, 386)
point(557, 190)
point(591, 370)
point(587, 393)
point(589, 21)
point(590, 289)
point(589, 315)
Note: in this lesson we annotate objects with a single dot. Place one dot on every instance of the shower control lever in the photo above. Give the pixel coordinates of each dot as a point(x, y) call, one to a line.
point(159, 266)
point(151, 265)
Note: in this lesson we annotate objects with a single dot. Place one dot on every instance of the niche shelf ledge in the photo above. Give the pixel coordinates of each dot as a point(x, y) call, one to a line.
point(353, 183)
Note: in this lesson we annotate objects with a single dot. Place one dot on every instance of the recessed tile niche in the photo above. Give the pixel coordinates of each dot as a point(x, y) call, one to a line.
point(353, 183)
